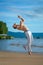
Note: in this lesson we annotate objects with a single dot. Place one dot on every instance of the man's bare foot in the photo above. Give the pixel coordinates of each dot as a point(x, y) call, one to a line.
point(30, 53)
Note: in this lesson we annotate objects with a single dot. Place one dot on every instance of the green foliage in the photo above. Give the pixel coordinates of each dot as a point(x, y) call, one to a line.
point(3, 28)
point(6, 37)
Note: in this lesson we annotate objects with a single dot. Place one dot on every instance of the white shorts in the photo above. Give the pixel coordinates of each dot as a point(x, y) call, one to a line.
point(29, 39)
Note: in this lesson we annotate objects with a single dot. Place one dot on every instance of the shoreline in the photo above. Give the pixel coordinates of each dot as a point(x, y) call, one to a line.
point(17, 58)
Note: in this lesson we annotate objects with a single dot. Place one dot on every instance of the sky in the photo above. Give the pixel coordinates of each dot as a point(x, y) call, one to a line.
point(30, 10)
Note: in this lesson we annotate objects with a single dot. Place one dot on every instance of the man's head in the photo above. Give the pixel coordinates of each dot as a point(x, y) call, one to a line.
point(14, 26)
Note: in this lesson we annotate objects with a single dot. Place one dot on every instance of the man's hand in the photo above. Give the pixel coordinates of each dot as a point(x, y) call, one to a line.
point(19, 16)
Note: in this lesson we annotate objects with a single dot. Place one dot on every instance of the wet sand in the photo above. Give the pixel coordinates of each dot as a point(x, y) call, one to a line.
point(17, 58)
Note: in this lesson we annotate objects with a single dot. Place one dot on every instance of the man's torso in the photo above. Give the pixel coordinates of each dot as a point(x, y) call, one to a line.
point(23, 28)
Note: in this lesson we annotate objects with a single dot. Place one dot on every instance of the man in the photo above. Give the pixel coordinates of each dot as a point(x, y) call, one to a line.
point(26, 31)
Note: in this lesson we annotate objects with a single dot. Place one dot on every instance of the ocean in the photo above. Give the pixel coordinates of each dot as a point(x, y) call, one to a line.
point(16, 45)
point(22, 35)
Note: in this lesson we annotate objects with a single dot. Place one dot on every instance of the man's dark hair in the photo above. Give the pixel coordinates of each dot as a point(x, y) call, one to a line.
point(15, 27)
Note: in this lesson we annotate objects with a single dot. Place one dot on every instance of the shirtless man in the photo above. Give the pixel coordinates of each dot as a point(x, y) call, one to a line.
point(27, 33)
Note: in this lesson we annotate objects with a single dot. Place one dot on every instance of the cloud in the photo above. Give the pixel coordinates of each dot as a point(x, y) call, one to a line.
point(22, 2)
point(7, 14)
point(32, 11)
point(18, 10)
point(39, 10)
point(13, 11)
point(31, 16)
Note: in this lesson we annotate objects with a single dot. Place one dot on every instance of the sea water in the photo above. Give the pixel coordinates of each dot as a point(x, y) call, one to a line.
point(16, 45)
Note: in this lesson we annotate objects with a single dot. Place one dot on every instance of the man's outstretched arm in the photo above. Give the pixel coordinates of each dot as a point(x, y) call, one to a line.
point(21, 22)
point(21, 18)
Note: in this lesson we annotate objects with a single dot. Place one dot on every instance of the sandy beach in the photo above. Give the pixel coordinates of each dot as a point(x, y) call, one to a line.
point(17, 58)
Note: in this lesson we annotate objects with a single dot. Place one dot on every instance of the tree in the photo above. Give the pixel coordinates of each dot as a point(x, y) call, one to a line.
point(3, 28)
